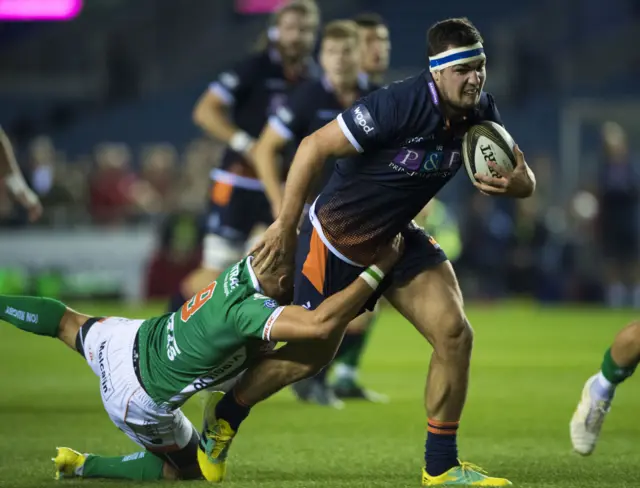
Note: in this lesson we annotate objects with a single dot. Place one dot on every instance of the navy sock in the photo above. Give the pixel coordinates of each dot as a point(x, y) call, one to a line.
point(232, 410)
point(176, 301)
point(441, 449)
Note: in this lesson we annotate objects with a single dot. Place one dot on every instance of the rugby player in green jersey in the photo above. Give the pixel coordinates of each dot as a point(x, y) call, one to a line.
point(149, 368)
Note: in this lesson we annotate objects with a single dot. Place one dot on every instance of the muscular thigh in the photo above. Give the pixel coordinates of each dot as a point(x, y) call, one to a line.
point(431, 300)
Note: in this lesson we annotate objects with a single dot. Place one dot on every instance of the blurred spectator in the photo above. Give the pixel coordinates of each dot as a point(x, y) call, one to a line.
point(178, 255)
point(619, 197)
point(117, 194)
point(47, 177)
point(530, 234)
point(159, 170)
point(486, 232)
point(194, 185)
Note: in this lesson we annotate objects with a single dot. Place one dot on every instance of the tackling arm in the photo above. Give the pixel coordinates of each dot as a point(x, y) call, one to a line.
point(331, 317)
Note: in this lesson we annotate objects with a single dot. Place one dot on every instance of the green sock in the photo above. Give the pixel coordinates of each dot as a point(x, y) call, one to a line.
point(138, 466)
point(32, 314)
point(352, 348)
point(614, 373)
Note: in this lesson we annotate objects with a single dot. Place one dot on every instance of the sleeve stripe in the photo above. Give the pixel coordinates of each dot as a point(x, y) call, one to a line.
point(225, 95)
point(283, 131)
point(266, 332)
point(347, 133)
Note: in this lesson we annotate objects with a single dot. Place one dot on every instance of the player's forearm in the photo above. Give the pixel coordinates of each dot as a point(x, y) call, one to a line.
point(215, 121)
point(306, 165)
point(9, 170)
point(268, 170)
point(8, 163)
point(334, 314)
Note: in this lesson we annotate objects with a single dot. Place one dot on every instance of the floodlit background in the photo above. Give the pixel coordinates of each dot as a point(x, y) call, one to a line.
point(99, 112)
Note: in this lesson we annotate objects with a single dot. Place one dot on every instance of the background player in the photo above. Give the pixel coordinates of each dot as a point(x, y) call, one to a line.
point(376, 50)
point(400, 146)
point(149, 368)
point(234, 109)
point(376, 46)
point(310, 107)
point(619, 363)
point(17, 186)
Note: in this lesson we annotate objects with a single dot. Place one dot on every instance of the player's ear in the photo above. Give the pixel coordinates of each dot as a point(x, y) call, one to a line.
point(285, 284)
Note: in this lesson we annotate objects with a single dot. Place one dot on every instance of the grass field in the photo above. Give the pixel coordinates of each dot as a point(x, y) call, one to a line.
point(528, 370)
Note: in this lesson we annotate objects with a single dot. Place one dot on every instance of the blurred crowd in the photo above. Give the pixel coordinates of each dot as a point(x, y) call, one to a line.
point(115, 185)
point(554, 247)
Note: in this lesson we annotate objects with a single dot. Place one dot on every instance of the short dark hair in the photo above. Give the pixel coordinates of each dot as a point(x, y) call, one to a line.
point(457, 32)
point(369, 20)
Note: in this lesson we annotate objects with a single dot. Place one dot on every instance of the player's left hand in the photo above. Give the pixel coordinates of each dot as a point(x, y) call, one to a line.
point(518, 183)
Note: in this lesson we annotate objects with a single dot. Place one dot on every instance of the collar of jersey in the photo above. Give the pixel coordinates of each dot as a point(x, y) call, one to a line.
point(252, 274)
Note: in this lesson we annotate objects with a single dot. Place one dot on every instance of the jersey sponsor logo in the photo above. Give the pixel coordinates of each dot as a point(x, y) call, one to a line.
point(230, 80)
point(105, 378)
point(228, 367)
point(362, 117)
point(32, 318)
point(414, 140)
point(232, 280)
point(266, 332)
point(270, 303)
point(197, 302)
point(172, 345)
point(426, 164)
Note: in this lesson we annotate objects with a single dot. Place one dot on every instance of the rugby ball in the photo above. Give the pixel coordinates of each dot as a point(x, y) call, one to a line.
point(485, 142)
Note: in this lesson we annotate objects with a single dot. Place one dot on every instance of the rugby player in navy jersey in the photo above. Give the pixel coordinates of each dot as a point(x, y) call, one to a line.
point(234, 109)
point(347, 48)
point(400, 145)
point(309, 108)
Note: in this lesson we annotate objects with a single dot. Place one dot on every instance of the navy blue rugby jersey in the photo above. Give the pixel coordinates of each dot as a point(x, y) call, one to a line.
point(310, 107)
point(254, 89)
point(408, 152)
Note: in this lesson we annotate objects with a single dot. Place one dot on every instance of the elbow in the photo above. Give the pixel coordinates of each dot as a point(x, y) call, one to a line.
point(311, 145)
point(324, 326)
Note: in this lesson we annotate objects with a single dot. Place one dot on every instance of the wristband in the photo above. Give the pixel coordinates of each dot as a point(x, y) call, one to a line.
point(241, 142)
point(373, 276)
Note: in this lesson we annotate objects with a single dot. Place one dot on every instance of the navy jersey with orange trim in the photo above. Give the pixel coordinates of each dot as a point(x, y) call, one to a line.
point(254, 89)
point(311, 106)
point(407, 154)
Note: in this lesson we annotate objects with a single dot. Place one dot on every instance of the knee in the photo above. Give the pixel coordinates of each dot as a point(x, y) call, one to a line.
point(454, 337)
point(170, 472)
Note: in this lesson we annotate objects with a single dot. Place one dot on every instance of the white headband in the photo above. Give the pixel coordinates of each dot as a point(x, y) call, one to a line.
point(459, 55)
